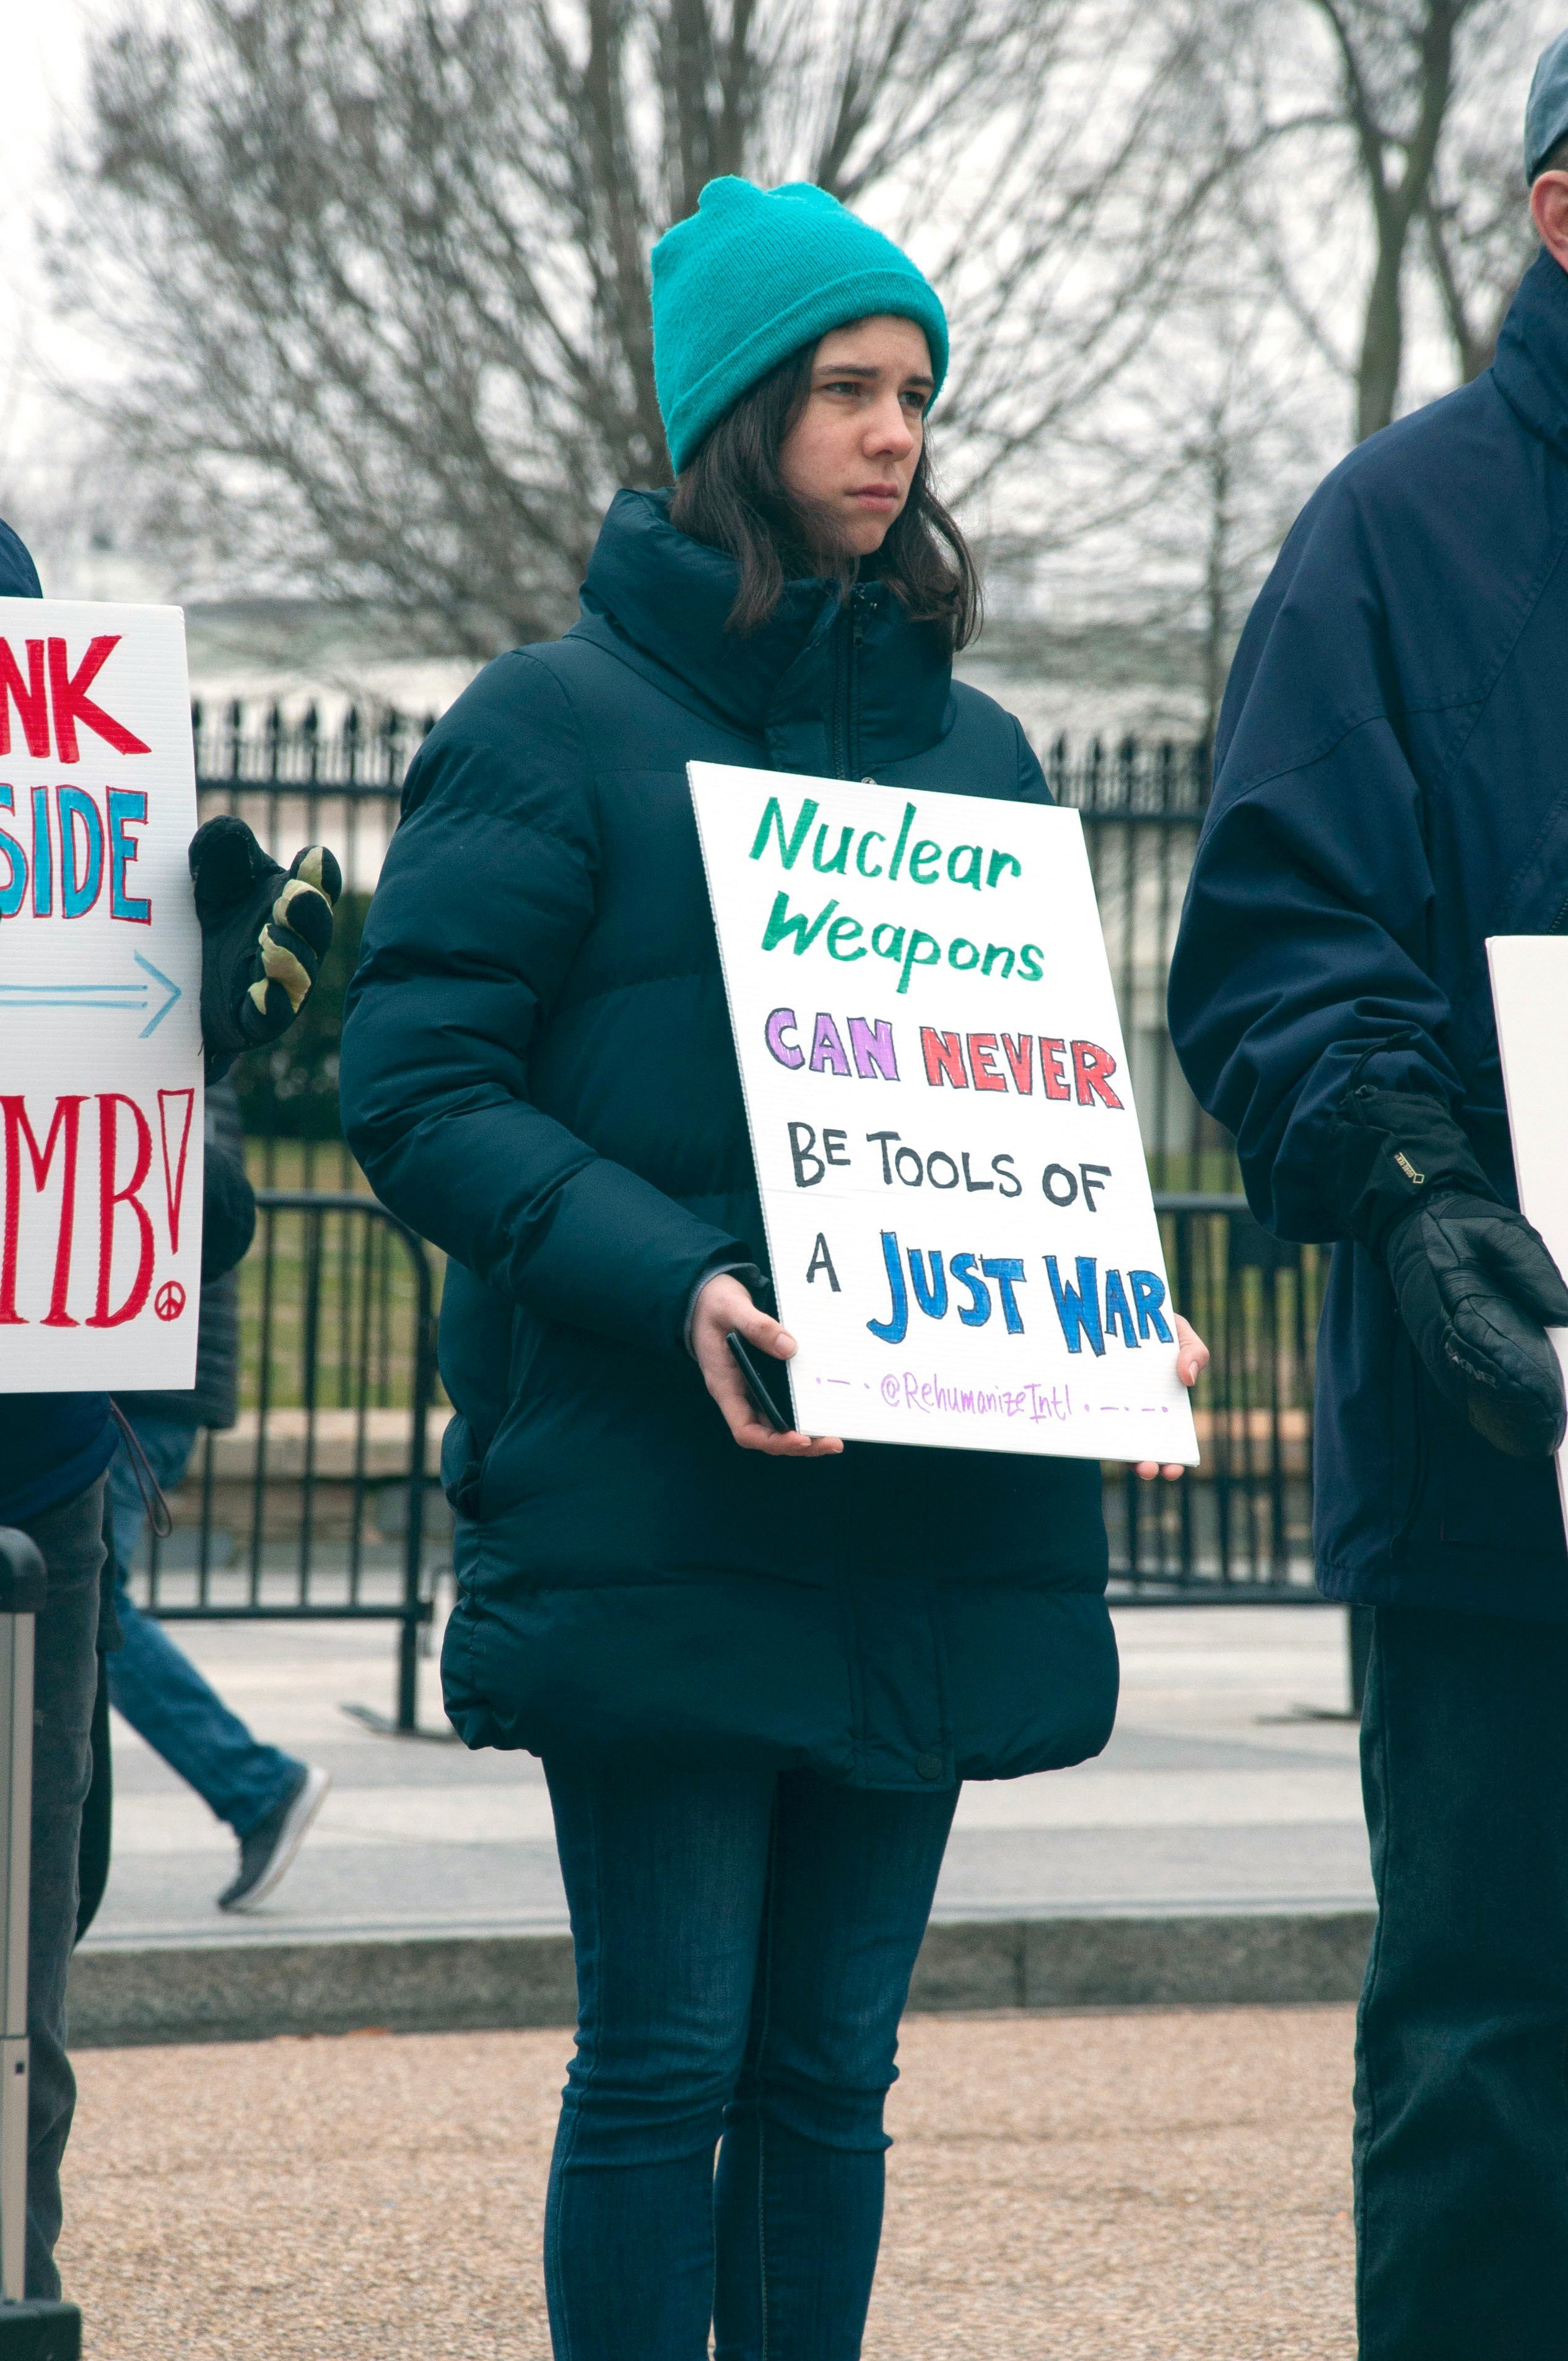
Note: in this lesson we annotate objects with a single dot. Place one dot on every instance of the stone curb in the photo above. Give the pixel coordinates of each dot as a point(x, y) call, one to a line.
point(1226, 1958)
point(223, 1991)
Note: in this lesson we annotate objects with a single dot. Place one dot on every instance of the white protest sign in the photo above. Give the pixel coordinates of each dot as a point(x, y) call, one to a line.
point(101, 1119)
point(959, 1225)
point(1530, 998)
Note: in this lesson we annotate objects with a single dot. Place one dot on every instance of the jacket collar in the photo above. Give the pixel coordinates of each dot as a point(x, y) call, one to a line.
point(657, 592)
point(1532, 367)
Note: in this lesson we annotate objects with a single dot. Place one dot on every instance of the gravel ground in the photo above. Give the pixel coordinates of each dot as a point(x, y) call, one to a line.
point(1159, 2186)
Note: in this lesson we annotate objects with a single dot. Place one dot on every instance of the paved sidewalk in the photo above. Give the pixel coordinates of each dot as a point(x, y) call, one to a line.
point(1210, 1796)
point(1165, 2186)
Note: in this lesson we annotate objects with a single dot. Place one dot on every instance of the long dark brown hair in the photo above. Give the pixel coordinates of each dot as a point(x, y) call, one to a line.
point(732, 495)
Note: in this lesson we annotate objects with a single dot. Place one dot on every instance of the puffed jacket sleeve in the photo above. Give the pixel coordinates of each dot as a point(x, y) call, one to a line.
point(1302, 965)
point(485, 897)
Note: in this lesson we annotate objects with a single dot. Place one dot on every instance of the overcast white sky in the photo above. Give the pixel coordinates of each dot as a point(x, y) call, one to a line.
point(40, 46)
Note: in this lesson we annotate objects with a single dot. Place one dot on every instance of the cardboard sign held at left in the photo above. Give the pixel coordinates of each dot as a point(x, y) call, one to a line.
point(101, 1103)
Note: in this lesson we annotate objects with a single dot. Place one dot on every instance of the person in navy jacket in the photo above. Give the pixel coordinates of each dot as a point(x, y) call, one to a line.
point(1392, 789)
point(258, 961)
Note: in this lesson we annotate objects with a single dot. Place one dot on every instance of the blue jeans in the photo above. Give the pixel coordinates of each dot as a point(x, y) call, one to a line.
point(744, 1943)
point(158, 1689)
point(1462, 2049)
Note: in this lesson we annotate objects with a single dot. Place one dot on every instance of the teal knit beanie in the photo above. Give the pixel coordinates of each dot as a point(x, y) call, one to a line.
point(754, 274)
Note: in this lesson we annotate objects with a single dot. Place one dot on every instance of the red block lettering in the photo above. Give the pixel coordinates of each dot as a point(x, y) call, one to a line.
point(109, 1196)
point(65, 1128)
point(1021, 1059)
point(1091, 1069)
point(32, 702)
point(944, 1058)
point(169, 1102)
point(982, 1062)
point(1053, 1072)
point(72, 705)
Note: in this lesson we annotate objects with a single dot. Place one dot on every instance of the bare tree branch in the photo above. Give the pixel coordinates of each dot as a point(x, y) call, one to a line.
point(1402, 70)
point(381, 265)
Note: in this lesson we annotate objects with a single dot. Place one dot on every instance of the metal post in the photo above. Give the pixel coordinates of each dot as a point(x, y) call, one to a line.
point(416, 1610)
point(16, 1829)
point(40, 2330)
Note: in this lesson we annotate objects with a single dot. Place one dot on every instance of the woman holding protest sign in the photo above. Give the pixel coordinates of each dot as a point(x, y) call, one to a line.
point(756, 1683)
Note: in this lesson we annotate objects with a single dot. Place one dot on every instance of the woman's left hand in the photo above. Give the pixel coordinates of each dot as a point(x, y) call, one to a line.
point(1191, 1360)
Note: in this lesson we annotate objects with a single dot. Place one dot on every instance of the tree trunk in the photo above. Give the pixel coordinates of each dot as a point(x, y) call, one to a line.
point(1383, 337)
point(1217, 584)
point(1373, 113)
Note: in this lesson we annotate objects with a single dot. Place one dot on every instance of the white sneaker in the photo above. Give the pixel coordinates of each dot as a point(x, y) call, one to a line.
point(267, 1854)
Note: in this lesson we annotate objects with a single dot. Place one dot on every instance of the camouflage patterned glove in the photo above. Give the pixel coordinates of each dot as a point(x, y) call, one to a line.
point(265, 931)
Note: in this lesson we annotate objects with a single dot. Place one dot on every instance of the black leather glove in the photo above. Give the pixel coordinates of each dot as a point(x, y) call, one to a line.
point(1474, 1283)
point(265, 931)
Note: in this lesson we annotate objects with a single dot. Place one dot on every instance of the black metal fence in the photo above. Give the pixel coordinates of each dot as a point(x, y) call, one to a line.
point(295, 784)
point(321, 1502)
point(1141, 806)
point(1239, 1526)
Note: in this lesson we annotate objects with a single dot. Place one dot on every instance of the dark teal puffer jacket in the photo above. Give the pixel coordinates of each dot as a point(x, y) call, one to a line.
point(538, 1074)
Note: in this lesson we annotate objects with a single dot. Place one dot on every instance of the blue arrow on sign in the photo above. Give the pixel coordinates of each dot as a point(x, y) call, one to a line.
point(135, 997)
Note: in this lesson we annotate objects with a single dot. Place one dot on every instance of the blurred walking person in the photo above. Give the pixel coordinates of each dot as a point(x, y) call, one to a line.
point(1392, 789)
point(267, 1798)
point(756, 1665)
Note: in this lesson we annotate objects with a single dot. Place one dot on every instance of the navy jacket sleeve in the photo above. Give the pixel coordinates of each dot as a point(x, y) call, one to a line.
point(19, 575)
point(485, 897)
point(1304, 943)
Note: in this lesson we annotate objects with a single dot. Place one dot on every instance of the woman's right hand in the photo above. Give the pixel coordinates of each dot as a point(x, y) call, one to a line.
point(722, 1305)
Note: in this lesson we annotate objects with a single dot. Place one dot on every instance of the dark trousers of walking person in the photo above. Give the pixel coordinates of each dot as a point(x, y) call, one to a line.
point(1462, 2058)
point(744, 1944)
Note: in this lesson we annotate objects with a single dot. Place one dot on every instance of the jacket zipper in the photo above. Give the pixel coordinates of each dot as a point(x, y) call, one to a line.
point(840, 698)
point(846, 721)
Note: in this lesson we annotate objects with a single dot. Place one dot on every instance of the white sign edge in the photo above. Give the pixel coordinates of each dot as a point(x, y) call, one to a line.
point(1558, 1336)
point(740, 1062)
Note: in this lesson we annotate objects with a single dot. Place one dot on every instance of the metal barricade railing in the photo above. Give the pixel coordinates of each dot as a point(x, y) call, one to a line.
point(1237, 1529)
point(323, 1505)
point(296, 785)
point(320, 1504)
point(1142, 805)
